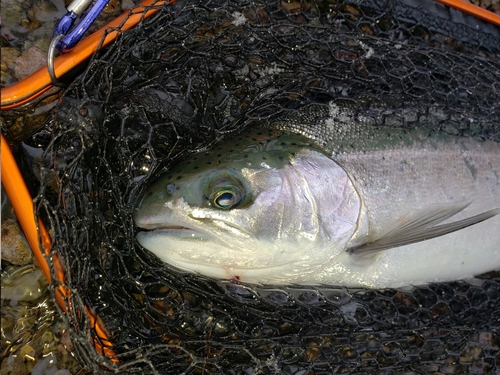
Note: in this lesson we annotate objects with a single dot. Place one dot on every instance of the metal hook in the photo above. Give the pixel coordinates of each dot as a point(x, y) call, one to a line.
point(50, 60)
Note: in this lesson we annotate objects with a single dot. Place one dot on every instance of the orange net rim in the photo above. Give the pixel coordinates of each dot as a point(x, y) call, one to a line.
point(35, 85)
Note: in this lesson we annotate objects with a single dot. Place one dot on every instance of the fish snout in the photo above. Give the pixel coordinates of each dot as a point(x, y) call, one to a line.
point(150, 221)
point(159, 221)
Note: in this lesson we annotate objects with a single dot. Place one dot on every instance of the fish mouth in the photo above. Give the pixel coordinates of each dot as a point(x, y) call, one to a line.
point(150, 223)
point(183, 231)
point(174, 230)
point(177, 231)
point(167, 227)
point(173, 227)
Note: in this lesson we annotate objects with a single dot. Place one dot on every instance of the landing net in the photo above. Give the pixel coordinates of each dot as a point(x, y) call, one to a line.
point(201, 71)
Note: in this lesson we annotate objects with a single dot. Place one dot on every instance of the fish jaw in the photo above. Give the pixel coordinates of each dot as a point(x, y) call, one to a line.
point(158, 241)
point(162, 227)
point(196, 251)
point(180, 248)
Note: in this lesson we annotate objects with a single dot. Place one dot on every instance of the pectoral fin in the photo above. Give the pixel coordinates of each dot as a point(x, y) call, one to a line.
point(422, 227)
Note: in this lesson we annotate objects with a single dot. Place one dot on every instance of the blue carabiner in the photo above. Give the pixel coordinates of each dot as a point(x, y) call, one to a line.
point(76, 9)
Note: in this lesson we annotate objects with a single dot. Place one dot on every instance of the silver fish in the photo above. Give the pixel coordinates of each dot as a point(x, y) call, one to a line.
point(369, 208)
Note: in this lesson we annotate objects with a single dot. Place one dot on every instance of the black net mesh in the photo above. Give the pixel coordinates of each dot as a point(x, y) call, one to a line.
point(200, 71)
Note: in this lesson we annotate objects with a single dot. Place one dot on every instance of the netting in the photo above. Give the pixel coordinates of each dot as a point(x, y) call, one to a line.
point(201, 71)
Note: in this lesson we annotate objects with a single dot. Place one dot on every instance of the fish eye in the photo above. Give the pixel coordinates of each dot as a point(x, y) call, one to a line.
point(226, 189)
point(226, 199)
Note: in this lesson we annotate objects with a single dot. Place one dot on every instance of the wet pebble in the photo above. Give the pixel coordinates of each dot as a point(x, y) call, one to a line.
point(47, 337)
point(12, 13)
point(15, 248)
point(30, 23)
point(27, 353)
point(13, 365)
point(31, 329)
point(112, 7)
point(29, 62)
point(43, 11)
point(7, 78)
point(47, 366)
point(43, 43)
point(127, 4)
point(23, 285)
point(8, 57)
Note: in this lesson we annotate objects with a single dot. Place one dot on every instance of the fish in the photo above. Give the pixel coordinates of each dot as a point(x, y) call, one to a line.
point(329, 203)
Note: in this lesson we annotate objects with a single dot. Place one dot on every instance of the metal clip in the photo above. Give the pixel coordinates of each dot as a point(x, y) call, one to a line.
point(64, 39)
point(76, 9)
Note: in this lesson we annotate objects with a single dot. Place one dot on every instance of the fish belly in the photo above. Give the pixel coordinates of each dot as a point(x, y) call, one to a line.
point(455, 256)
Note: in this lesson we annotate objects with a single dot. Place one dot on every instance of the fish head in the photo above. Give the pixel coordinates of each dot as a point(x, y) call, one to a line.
point(249, 208)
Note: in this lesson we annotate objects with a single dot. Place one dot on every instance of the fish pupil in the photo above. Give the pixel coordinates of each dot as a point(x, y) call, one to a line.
point(225, 200)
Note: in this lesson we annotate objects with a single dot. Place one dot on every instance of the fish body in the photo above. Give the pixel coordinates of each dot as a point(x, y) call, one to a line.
point(394, 208)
